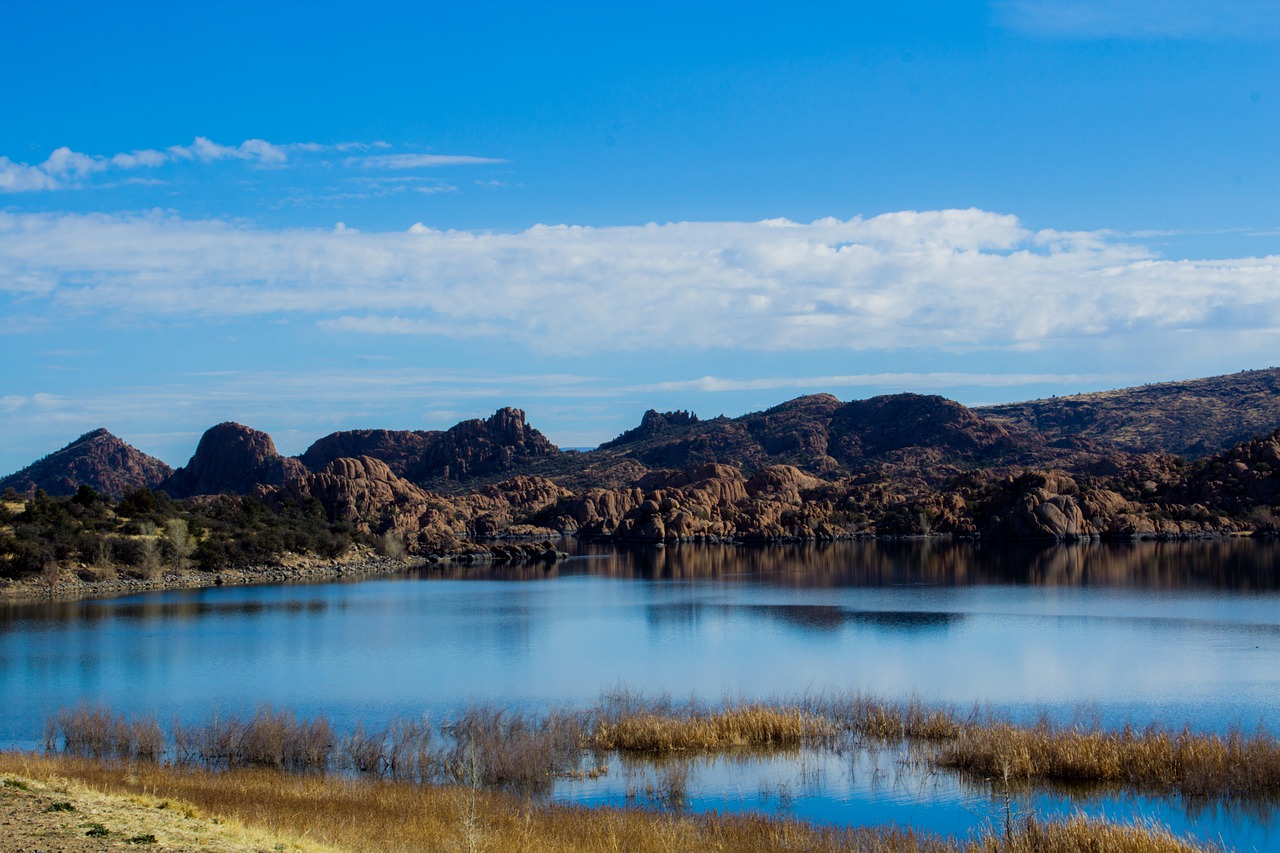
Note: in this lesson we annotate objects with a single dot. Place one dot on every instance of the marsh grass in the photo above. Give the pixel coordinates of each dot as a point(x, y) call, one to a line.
point(1196, 765)
point(365, 814)
point(498, 748)
point(626, 722)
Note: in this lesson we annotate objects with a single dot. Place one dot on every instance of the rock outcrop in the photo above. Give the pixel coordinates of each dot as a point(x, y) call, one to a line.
point(400, 449)
point(365, 492)
point(478, 447)
point(96, 459)
point(653, 424)
point(232, 458)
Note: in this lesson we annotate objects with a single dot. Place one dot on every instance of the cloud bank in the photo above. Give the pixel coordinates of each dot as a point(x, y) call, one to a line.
point(957, 279)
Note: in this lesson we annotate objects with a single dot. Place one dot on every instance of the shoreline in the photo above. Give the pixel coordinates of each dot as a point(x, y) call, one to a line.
point(73, 588)
point(501, 550)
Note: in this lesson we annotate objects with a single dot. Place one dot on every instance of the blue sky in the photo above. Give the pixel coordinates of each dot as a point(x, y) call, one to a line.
point(320, 216)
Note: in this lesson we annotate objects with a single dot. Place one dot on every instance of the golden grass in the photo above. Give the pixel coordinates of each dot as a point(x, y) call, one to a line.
point(45, 809)
point(500, 748)
point(342, 814)
point(757, 726)
point(1190, 763)
point(1082, 835)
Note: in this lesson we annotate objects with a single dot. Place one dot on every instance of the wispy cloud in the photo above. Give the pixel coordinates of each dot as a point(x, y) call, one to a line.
point(899, 381)
point(950, 280)
point(419, 161)
point(65, 168)
point(1142, 19)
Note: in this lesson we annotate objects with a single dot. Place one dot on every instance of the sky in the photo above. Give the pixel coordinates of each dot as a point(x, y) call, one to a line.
point(307, 217)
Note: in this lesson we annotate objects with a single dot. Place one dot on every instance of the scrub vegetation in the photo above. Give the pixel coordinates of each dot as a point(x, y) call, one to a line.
point(147, 534)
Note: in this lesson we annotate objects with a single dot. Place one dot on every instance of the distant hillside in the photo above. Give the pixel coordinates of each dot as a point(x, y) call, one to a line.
point(896, 437)
point(96, 459)
point(1195, 417)
point(822, 435)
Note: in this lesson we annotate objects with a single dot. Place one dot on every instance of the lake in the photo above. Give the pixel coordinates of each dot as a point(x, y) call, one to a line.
point(1176, 633)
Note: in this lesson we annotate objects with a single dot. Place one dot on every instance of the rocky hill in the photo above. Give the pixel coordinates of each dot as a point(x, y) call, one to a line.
point(812, 467)
point(475, 448)
point(232, 458)
point(1193, 418)
point(399, 449)
point(96, 459)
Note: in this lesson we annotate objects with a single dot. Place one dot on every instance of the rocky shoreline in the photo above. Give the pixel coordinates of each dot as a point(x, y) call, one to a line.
point(72, 586)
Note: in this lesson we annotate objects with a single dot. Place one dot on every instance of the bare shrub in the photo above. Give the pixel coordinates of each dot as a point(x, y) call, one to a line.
point(95, 731)
point(513, 749)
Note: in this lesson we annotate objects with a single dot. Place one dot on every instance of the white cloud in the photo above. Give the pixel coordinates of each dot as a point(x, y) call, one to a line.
point(208, 151)
point(419, 161)
point(939, 280)
point(65, 168)
point(21, 178)
point(901, 381)
point(1142, 19)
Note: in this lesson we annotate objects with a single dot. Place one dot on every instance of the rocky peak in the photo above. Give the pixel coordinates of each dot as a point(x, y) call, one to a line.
point(882, 425)
point(232, 458)
point(96, 459)
point(399, 449)
point(653, 423)
point(477, 447)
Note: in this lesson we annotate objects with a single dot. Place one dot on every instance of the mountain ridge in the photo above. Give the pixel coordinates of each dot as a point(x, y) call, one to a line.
point(907, 443)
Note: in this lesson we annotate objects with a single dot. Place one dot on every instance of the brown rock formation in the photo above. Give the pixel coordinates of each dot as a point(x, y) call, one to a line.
point(400, 449)
point(96, 459)
point(477, 447)
point(652, 424)
point(232, 458)
point(364, 492)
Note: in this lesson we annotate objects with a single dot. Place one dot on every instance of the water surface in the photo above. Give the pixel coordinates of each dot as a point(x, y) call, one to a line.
point(1177, 633)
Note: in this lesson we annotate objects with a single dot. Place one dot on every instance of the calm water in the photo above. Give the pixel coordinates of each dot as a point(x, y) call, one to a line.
point(1170, 632)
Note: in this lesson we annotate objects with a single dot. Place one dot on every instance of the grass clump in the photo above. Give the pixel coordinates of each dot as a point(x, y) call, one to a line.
point(1193, 764)
point(878, 719)
point(1084, 835)
point(753, 725)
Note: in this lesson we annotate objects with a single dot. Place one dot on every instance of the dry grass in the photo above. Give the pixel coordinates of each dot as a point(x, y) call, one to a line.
point(494, 747)
point(756, 726)
point(377, 815)
point(871, 717)
point(43, 809)
point(1083, 835)
point(1193, 764)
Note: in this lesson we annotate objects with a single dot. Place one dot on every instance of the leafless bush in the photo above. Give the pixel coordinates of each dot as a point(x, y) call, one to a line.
point(512, 749)
point(95, 731)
